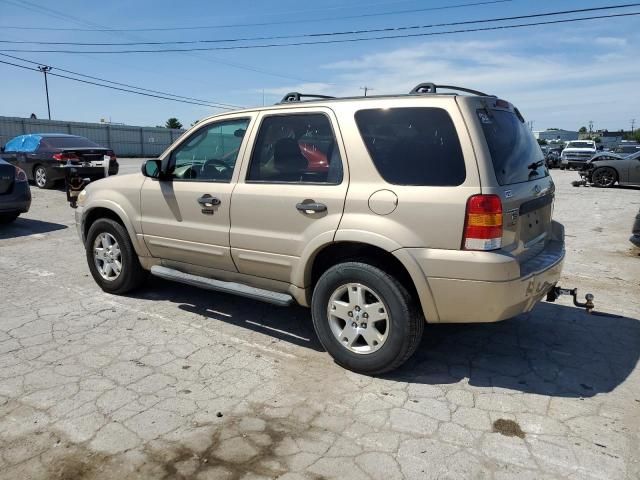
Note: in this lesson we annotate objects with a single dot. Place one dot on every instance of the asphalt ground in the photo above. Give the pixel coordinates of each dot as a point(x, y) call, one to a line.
point(175, 382)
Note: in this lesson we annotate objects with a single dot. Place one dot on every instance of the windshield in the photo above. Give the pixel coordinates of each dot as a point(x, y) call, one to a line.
point(580, 145)
point(69, 142)
point(514, 151)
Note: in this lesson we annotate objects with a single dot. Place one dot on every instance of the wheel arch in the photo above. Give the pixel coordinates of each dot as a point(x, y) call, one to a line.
point(115, 213)
point(397, 263)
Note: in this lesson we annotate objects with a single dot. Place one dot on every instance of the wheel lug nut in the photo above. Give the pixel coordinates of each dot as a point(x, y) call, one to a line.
point(363, 325)
point(357, 309)
point(354, 325)
point(350, 313)
point(365, 315)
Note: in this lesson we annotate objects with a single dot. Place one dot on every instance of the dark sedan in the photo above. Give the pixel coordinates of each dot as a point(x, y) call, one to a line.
point(15, 196)
point(42, 156)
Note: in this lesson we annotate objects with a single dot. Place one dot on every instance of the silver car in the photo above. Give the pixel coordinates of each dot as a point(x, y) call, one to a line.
point(607, 168)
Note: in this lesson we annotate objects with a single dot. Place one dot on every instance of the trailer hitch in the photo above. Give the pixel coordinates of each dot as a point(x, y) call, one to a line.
point(555, 292)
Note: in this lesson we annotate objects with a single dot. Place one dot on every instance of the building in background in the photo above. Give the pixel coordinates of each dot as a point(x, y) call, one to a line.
point(556, 134)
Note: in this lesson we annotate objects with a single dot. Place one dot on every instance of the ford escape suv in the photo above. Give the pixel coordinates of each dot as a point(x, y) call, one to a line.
point(378, 213)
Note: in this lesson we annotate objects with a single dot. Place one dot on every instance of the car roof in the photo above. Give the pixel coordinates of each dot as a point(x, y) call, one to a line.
point(55, 135)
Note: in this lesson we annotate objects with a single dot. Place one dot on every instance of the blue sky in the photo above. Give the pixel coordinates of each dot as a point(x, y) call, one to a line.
point(559, 76)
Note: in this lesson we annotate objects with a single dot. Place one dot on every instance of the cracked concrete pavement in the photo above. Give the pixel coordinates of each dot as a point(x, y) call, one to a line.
point(174, 382)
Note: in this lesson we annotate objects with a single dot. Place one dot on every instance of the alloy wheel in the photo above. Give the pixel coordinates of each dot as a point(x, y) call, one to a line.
point(107, 256)
point(358, 318)
point(41, 177)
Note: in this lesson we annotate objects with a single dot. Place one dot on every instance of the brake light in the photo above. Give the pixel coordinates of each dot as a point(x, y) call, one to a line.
point(20, 175)
point(483, 223)
point(63, 157)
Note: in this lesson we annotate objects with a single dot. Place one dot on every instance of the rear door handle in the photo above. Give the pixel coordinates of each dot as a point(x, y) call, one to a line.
point(208, 201)
point(312, 207)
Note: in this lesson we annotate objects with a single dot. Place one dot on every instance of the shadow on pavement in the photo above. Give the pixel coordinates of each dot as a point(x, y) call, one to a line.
point(288, 324)
point(23, 227)
point(555, 350)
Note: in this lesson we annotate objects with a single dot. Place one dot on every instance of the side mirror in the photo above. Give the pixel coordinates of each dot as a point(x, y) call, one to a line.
point(152, 168)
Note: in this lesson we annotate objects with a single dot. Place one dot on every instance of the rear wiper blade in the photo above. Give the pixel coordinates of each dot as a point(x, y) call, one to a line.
point(535, 165)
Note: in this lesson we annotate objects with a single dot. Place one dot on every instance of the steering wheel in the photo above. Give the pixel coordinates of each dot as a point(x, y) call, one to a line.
point(210, 169)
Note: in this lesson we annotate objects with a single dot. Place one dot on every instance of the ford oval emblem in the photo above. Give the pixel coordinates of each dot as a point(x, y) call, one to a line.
point(537, 189)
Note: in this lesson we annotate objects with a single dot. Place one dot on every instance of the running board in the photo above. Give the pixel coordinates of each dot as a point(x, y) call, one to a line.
point(280, 299)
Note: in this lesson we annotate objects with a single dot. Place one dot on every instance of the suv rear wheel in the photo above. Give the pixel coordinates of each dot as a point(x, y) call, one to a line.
point(365, 318)
point(604, 177)
point(112, 260)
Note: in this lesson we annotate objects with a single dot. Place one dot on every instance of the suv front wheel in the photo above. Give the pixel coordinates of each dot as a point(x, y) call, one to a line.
point(365, 318)
point(112, 260)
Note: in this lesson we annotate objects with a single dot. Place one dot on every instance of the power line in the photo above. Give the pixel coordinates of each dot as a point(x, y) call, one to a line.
point(116, 88)
point(327, 42)
point(262, 24)
point(125, 84)
point(96, 27)
point(328, 34)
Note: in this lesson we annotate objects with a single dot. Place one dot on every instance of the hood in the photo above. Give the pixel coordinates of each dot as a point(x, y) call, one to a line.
point(606, 156)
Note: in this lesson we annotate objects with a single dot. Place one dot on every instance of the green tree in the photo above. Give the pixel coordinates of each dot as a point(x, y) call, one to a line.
point(542, 141)
point(173, 123)
point(582, 130)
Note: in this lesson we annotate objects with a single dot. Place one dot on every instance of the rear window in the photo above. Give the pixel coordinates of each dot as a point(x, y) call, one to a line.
point(515, 153)
point(69, 142)
point(413, 146)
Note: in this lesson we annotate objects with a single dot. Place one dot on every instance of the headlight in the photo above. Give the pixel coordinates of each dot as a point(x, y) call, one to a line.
point(82, 197)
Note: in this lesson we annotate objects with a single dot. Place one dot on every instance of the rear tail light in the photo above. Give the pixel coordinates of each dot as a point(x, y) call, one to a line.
point(20, 175)
point(112, 156)
point(63, 157)
point(483, 224)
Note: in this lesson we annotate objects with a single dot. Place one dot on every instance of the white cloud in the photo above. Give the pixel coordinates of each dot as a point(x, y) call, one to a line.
point(611, 41)
point(559, 89)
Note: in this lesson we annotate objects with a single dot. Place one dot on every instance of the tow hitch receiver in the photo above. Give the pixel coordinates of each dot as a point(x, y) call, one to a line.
point(556, 292)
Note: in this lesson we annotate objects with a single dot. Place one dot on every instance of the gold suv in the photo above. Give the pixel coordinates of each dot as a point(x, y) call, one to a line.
point(378, 213)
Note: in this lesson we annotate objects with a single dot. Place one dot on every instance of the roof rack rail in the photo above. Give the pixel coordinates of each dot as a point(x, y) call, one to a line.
point(297, 97)
point(430, 88)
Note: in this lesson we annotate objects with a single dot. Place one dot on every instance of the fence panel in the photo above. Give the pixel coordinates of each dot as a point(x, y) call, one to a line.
point(125, 140)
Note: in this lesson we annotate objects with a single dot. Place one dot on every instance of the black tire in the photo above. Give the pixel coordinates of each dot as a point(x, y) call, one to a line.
point(131, 275)
point(604, 177)
point(47, 182)
point(405, 319)
point(8, 218)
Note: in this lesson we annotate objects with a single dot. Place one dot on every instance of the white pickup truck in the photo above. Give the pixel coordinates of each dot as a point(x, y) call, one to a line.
point(577, 153)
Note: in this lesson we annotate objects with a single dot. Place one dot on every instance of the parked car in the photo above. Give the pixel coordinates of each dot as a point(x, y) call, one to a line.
point(577, 152)
point(607, 168)
point(15, 195)
point(431, 206)
point(627, 148)
point(552, 157)
point(635, 231)
point(41, 156)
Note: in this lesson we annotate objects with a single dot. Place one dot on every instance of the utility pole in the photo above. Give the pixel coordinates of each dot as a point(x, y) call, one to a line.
point(366, 89)
point(45, 69)
point(590, 126)
point(633, 124)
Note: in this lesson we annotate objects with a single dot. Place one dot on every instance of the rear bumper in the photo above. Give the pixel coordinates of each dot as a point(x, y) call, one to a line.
point(58, 173)
point(490, 286)
point(18, 200)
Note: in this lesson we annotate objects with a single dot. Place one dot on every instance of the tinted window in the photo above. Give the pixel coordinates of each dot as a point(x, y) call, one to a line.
point(413, 146)
point(296, 148)
point(515, 153)
point(210, 154)
point(69, 142)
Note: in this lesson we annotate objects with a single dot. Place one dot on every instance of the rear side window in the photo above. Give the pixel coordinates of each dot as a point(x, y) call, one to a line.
point(413, 146)
point(14, 144)
point(515, 154)
point(69, 142)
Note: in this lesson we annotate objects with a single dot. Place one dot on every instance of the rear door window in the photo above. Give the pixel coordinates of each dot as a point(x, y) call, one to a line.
point(69, 142)
point(413, 146)
point(515, 153)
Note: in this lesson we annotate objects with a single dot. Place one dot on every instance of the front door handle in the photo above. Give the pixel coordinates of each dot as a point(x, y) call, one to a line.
point(311, 207)
point(208, 201)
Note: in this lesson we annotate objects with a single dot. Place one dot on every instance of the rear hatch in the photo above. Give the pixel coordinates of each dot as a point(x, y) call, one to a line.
point(7, 177)
point(512, 166)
